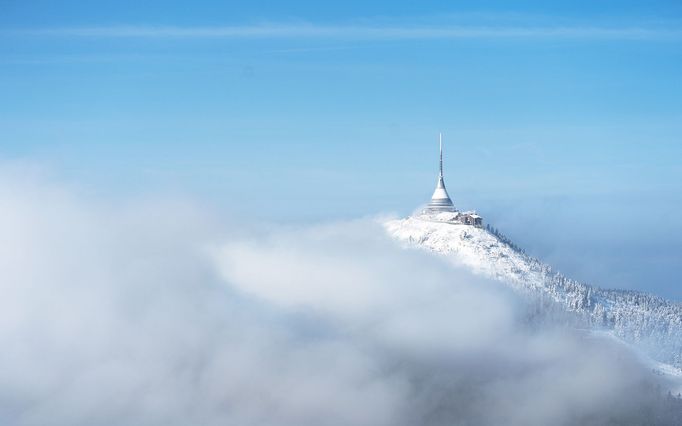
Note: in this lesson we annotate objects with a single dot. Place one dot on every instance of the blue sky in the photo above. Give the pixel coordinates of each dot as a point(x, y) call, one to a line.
point(562, 121)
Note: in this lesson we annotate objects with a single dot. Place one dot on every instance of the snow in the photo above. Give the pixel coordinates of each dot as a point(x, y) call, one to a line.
point(649, 323)
point(471, 246)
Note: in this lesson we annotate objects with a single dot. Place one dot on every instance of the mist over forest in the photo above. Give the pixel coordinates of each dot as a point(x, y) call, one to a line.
point(158, 311)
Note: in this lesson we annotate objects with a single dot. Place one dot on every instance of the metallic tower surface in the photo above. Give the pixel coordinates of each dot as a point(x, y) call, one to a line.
point(440, 201)
point(440, 146)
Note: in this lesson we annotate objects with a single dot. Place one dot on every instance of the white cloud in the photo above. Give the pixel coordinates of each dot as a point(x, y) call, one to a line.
point(156, 313)
point(364, 32)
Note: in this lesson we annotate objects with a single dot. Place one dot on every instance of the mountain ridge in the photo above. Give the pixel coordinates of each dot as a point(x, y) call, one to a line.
point(648, 322)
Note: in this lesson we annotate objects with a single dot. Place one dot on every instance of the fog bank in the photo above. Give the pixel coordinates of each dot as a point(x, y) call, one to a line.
point(158, 312)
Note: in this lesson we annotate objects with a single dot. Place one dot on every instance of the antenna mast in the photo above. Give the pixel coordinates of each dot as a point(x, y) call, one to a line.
point(440, 142)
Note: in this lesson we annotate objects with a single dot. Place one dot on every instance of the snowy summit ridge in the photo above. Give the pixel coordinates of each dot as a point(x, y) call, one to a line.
point(650, 323)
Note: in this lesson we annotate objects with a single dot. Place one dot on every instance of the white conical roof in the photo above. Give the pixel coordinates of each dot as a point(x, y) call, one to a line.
point(440, 193)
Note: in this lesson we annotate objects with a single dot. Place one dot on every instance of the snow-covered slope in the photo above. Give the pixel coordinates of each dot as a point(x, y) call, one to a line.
point(650, 323)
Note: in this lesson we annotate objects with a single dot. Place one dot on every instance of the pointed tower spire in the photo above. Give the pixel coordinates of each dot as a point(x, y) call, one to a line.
point(440, 142)
point(440, 201)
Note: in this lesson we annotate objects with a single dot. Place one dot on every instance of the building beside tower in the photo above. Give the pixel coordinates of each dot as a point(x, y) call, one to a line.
point(442, 203)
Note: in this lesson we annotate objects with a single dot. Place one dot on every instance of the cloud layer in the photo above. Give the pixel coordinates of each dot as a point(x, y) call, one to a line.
point(363, 32)
point(155, 312)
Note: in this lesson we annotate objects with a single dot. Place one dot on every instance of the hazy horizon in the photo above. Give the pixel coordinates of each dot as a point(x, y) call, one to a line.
point(204, 213)
point(561, 122)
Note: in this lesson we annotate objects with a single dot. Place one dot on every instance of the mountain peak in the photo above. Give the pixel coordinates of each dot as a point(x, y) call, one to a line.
point(649, 323)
